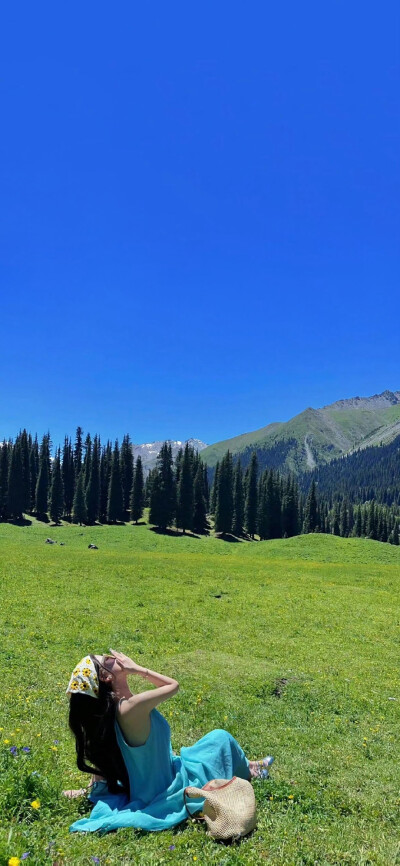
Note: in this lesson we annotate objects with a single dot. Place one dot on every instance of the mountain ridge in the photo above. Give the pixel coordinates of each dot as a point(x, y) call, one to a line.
point(316, 436)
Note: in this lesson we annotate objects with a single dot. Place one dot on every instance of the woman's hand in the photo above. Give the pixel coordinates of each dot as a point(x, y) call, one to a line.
point(126, 664)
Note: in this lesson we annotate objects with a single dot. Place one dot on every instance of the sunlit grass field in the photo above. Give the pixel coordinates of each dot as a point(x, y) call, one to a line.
point(291, 645)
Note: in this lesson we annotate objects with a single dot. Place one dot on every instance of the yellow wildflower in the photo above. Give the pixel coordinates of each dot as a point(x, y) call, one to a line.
point(14, 861)
point(291, 797)
point(6, 742)
point(35, 804)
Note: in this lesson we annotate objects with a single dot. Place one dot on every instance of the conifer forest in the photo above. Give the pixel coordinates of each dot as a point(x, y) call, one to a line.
point(87, 482)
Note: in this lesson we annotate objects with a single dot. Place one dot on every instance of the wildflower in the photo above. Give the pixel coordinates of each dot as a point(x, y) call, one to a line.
point(25, 749)
point(38, 735)
point(95, 860)
point(291, 797)
point(54, 748)
point(6, 742)
point(13, 750)
point(56, 742)
point(14, 861)
point(35, 804)
point(24, 856)
point(171, 847)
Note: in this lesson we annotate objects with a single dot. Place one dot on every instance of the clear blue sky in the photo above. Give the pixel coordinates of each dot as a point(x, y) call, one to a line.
point(199, 213)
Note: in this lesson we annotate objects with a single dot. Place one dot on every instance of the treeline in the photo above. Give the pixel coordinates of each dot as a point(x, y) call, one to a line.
point(87, 482)
point(272, 506)
point(369, 473)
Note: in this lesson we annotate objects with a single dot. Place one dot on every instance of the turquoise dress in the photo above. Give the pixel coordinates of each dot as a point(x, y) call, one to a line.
point(157, 779)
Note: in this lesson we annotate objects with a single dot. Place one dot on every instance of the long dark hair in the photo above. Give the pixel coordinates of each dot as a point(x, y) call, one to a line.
point(92, 721)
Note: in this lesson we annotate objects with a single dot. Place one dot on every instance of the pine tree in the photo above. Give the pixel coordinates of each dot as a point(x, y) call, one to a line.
point(289, 509)
point(206, 488)
point(42, 485)
point(26, 475)
point(364, 520)
point(250, 512)
point(238, 500)
point(92, 494)
point(4, 455)
point(178, 466)
point(357, 522)
point(371, 521)
point(199, 501)
point(224, 499)
point(163, 492)
point(264, 516)
point(68, 476)
point(214, 489)
point(137, 492)
point(33, 471)
point(79, 506)
point(115, 501)
point(343, 519)
point(126, 467)
point(16, 491)
point(184, 509)
point(105, 473)
point(87, 461)
point(57, 490)
point(148, 486)
point(310, 511)
point(78, 451)
point(336, 519)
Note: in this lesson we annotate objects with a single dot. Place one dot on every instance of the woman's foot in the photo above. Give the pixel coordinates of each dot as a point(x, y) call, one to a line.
point(260, 769)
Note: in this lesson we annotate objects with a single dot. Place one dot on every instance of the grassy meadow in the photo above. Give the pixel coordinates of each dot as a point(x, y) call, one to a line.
point(291, 645)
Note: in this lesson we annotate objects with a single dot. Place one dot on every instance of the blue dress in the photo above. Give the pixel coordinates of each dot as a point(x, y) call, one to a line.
point(157, 779)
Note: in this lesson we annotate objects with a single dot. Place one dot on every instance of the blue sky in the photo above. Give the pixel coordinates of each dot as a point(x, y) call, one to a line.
point(199, 214)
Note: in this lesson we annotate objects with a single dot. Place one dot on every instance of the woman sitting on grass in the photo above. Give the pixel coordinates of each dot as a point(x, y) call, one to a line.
point(124, 742)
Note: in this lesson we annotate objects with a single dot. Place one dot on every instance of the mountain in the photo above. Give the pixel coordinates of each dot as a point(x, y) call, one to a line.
point(149, 452)
point(317, 436)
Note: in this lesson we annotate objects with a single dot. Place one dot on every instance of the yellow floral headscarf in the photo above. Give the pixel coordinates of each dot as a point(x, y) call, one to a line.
point(84, 679)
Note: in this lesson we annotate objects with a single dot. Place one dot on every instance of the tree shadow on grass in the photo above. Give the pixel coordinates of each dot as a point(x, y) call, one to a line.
point(20, 521)
point(174, 533)
point(227, 536)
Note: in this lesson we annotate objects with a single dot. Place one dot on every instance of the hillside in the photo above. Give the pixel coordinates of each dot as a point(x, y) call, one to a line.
point(362, 475)
point(317, 436)
point(290, 645)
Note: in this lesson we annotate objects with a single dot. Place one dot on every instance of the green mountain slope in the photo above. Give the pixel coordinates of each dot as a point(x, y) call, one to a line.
point(316, 436)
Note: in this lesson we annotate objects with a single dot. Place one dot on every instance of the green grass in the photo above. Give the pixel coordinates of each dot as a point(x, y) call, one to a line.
point(320, 612)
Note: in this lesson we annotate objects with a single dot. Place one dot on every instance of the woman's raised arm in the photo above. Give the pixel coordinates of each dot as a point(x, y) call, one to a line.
point(134, 712)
